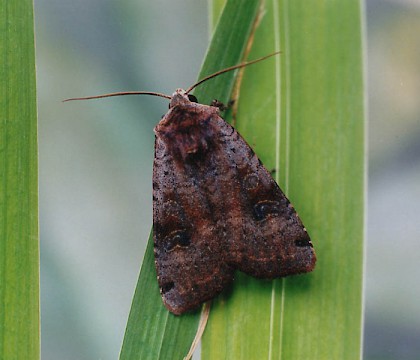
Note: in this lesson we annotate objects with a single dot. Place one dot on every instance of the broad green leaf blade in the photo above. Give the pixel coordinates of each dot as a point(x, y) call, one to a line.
point(19, 247)
point(152, 332)
point(303, 114)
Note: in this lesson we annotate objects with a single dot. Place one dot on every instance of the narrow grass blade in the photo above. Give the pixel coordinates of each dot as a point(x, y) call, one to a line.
point(19, 247)
point(303, 114)
point(152, 332)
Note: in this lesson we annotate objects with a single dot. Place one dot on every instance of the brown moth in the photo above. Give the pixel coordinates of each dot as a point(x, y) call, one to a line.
point(216, 208)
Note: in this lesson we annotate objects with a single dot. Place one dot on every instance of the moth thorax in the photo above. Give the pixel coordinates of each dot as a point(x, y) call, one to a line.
point(193, 144)
point(186, 137)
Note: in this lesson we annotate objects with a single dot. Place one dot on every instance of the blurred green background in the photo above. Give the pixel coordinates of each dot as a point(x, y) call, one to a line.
point(96, 162)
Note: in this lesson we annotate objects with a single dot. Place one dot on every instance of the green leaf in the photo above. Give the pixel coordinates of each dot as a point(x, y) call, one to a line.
point(303, 114)
point(152, 332)
point(19, 246)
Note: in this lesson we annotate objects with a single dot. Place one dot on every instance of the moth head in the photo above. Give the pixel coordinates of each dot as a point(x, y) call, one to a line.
point(181, 97)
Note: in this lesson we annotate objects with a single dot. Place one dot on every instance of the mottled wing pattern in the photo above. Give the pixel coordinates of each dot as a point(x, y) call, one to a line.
point(189, 246)
point(217, 209)
point(268, 238)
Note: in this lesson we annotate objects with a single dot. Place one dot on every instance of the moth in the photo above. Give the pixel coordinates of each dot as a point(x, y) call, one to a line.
point(216, 208)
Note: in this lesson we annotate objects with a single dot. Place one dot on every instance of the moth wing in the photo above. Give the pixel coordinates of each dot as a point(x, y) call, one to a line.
point(268, 239)
point(189, 247)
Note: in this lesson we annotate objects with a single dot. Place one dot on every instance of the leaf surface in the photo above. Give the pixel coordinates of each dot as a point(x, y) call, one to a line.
point(303, 114)
point(19, 246)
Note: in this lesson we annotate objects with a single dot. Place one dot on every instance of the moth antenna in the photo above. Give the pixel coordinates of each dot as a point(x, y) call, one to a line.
point(230, 68)
point(120, 94)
